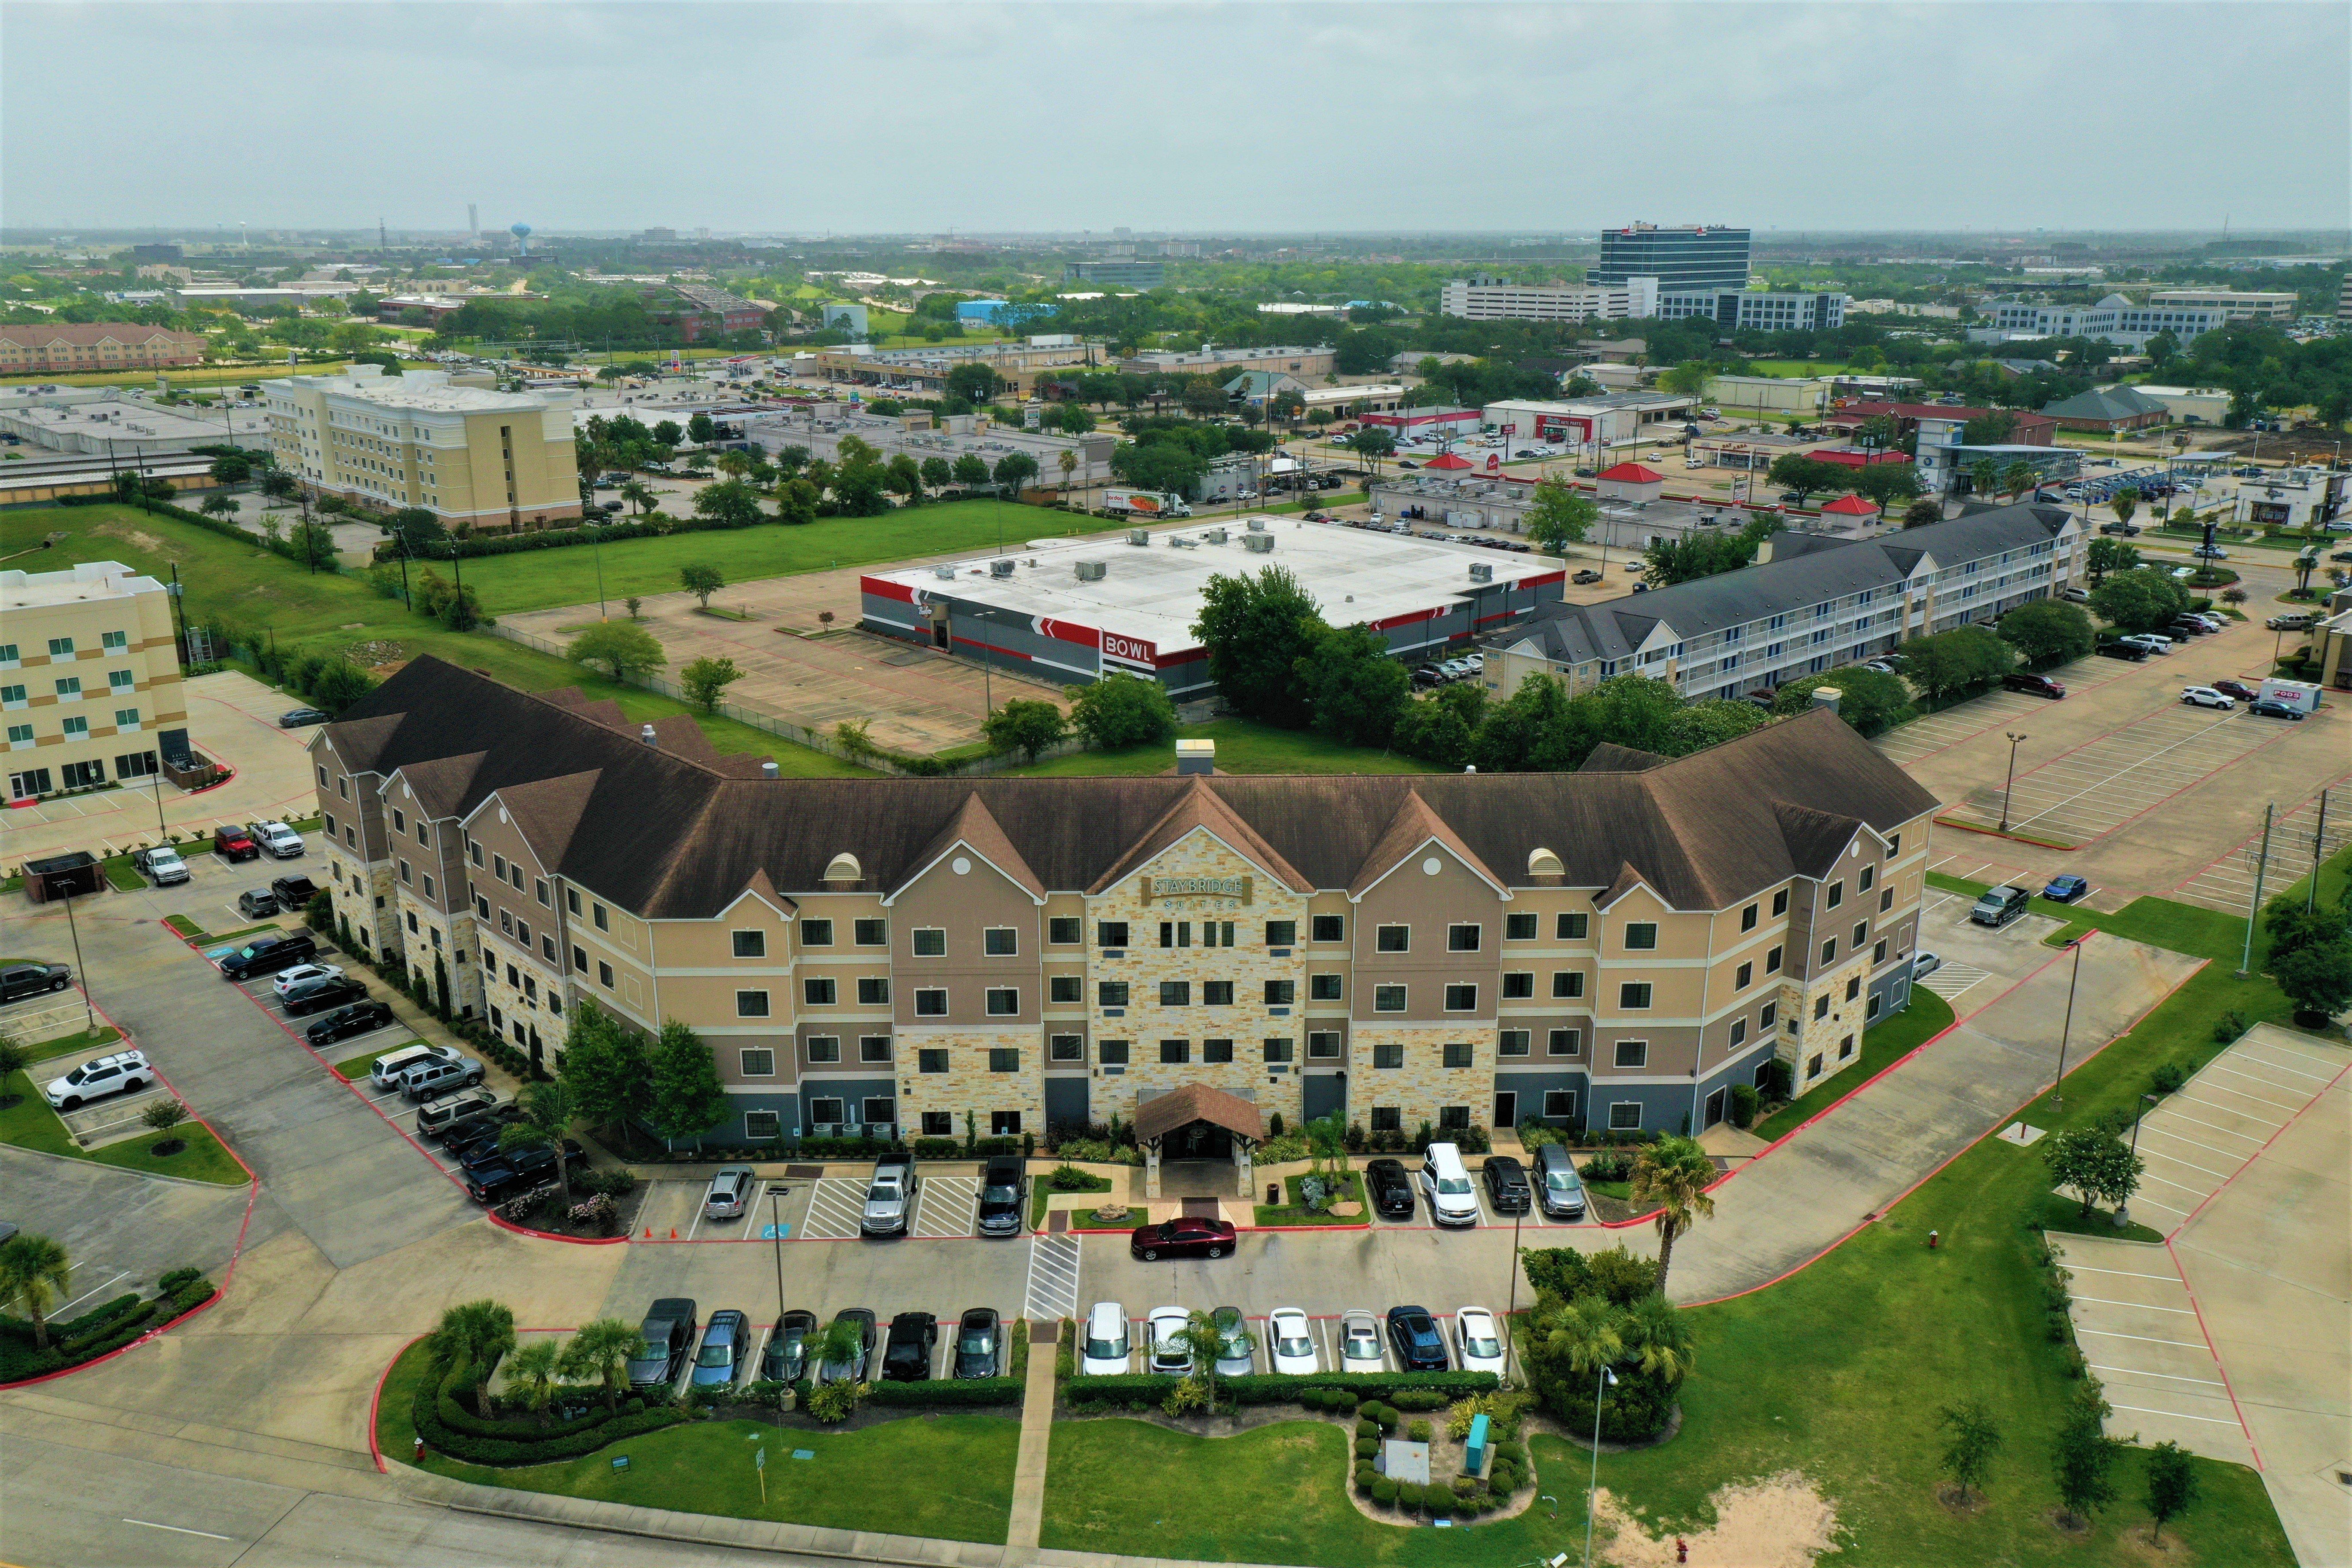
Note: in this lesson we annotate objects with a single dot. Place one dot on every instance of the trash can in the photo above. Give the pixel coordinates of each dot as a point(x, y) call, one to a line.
point(1274, 1194)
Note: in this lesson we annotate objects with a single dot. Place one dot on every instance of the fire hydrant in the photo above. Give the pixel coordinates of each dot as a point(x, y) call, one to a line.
point(420, 1449)
point(1681, 1550)
point(1931, 1241)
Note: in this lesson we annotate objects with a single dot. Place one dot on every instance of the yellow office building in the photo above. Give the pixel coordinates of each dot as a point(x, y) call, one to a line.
point(497, 461)
point(90, 678)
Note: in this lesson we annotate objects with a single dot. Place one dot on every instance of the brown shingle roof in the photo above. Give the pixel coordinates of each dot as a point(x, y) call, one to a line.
point(1201, 807)
point(1164, 1113)
point(672, 835)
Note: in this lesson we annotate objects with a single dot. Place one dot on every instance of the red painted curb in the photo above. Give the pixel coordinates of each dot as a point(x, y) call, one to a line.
point(2010, 837)
point(494, 1218)
point(2207, 1335)
point(376, 1403)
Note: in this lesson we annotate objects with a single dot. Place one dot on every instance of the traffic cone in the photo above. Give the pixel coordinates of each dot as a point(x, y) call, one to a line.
point(673, 1233)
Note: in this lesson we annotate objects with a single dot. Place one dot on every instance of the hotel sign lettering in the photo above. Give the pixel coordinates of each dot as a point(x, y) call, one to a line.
point(1236, 889)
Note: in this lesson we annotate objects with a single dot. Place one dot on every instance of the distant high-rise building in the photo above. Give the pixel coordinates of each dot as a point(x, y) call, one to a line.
point(1124, 273)
point(473, 219)
point(1683, 260)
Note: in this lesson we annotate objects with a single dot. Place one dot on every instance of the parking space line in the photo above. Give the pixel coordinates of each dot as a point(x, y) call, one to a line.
point(59, 1311)
point(2126, 1273)
point(2168, 1376)
point(2170, 1183)
point(2136, 1306)
point(2178, 1138)
point(2191, 1164)
point(2181, 1416)
point(2144, 1339)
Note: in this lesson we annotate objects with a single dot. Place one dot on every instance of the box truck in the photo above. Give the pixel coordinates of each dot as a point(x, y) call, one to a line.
point(1145, 503)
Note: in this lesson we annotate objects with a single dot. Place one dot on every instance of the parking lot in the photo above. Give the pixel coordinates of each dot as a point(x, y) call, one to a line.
point(1922, 738)
point(2226, 884)
point(1323, 1329)
point(807, 1208)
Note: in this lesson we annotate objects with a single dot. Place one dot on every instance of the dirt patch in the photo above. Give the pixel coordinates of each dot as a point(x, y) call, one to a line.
point(2073, 1527)
point(2170, 1550)
point(1957, 1500)
point(135, 536)
point(1780, 1521)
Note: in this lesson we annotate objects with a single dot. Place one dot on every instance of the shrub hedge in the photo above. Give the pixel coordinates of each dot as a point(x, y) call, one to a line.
point(102, 1331)
point(950, 1391)
point(450, 1429)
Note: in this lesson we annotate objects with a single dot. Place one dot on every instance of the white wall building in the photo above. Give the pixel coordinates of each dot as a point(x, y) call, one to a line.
point(1483, 298)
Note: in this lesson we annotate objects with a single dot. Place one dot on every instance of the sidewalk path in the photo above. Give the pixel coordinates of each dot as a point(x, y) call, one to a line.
point(1036, 1433)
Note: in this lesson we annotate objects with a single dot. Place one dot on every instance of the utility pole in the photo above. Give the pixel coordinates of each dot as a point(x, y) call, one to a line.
point(2253, 908)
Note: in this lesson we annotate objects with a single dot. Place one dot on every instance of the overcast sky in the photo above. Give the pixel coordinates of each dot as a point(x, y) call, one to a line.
point(891, 117)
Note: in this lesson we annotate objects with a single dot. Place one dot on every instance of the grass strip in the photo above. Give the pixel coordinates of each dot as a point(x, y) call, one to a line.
point(31, 1124)
point(1882, 1043)
point(81, 1041)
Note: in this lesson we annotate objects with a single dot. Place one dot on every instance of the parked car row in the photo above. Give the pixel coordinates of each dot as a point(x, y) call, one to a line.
point(1109, 1345)
point(1447, 671)
point(722, 1352)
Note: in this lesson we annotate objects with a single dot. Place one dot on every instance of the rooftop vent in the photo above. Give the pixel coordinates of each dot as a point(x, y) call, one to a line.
point(1003, 568)
point(1212, 536)
point(945, 574)
point(1180, 541)
point(1138, 536)
point(770, 771)
point(1092, 571)
point(648, 737)
point(1257, 525)
point(1258, 543)
point(1482, 572)
point(844, 868)
point(1195, 757)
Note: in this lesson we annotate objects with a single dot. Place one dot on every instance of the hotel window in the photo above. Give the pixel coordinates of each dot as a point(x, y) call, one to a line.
point(1175, 994)
point(1869, 875)
point(1568, 983)
point(1571, 928)
point(760, 1062)
point(1829, 950)
point(1110, 933)
point(605, 975)
point(930, 942)
point(1387, 1119)
point(1005, 1123)
point(1216, 992)
point(1458, 1056)
point(750, 1004)
point(1281, 993)
point(571, 897)
point(932, 1059)
point(824, 1048)
point(1323, 1042)
point(1216, 934)
point(1462, 939)
point(1742, 977)
point(1821, 1008)
point(1837, 894)
point(1564, 1043)
point(1066, 1048)
point(1325, 987)
point(546, 943)
point(1453, 1117)
point(1064, 930)
point(1278, 1051)
point(399, 821)
point(1328, 928)
point(1633, 994)
point(939, 1123)
point(1065, 988)
point(1175, 1051)
point(1514, 1043)
point(1633, 1053)
point(1111, 1053)
point(580, 959)
point(1520, 928)
point(763, 1126)
point(1216, 1050)
point(1388, 1056)
point(1519, 986)
point(1894, 846)
point(1739, 1032)
point(1388, 998)
point(1002, 1002)
point(1625, 1116)
point(1772, 960)
point(874, 991)
point(118, 641)
point(1764, 1020)
point(403, 873)
point(931, 1003)
point(1000, 941)
point(1393, 939)
point(1885, 900)
point(539, 891)
point(1110, 993)
point(1861, 932)
point(603, 921)
point(1780, 903)
point(870, 932)
point(1853, 987)
point(1560, 1105)
point(1640, 936)
point(816, 933)
point(1175, 933)
point(1281, 933)
point(818, 990)
point(1003, 1058)
point(1461, 998)
point(1878, 951)
point(749, 943)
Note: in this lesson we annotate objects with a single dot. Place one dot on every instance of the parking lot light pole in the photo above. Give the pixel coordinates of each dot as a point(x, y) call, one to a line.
point(1512, 1309)
point(89, 1019)
point(2123, 1209)
point(776, 1231)
point(1607, 1380)
point(2058, 1089)
point(2015, 740)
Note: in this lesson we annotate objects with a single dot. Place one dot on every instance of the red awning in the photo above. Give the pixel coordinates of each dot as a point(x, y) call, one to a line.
point(1447, 460)
point(1633, 474)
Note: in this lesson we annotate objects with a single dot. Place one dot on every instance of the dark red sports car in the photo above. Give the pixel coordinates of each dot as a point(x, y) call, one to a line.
point(1187, 1237)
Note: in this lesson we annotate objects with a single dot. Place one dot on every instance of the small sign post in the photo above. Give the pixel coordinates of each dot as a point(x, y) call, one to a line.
point(760, 1463)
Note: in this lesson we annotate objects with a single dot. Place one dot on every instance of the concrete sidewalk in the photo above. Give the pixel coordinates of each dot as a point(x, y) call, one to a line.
point(1036, 1434)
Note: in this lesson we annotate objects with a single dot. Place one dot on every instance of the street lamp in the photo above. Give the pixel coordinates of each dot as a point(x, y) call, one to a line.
point(2066, 1030)
point(1511, 1309)
point(776, 1232)
point(2015, 740)
point(88, 1018)
point(1607, 1380)
point(2123, 1209)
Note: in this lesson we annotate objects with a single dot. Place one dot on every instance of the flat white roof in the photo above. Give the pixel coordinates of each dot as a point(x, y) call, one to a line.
point(84, 580)
point(1153, 591)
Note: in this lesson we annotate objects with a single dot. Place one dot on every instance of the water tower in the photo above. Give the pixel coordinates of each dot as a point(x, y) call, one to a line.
point(522, 231)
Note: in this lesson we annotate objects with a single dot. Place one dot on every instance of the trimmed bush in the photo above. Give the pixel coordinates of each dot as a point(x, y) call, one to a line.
point(1385, 1491)
point(947, 1390)
point(1366, 1478)
point(1367, 1446)
point(1368, 1428)
point(1418, 1431)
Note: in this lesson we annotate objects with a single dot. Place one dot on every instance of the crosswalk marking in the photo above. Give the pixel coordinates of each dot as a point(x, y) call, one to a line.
point(1953, 978)
point(1053, 1289)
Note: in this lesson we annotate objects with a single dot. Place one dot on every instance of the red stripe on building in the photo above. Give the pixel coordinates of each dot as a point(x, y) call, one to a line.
point(883, 588)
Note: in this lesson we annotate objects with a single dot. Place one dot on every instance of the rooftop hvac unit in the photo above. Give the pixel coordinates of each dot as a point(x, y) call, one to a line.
point(1179, 542)
point(945, 574)
point(1481, 572)
point(1138, 536)
point(1212, 536)
point(1258, 543)
point(1093, 570)
point(1257, 525)
point(1002, 568)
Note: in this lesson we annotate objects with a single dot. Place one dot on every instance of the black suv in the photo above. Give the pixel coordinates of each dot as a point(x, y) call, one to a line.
point(1390, 1188)
point(668, 1338)
point(294, 892)
point(318, 995)
point(1506, 1184)
point(907, 1358)
point(19, 980)
point(268, 955)
point(1003, 1187)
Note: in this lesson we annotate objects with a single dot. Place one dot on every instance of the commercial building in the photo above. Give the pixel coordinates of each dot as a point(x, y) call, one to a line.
point(1756, 310)
point(1618, 947)
point(1068, 613)
point(2026, 428)
point(1018, 366)
point(499, 461)
point(1813, 602)
point(1499, 502)
point(1804, 396)
point(2118, 407)
point(2344, 301)
point(90, 678)
point(236, 296)
point(1693, 261)
point(699, 311)
point(2190, 405)
point(98, 346)
point(2237, 305)
point(2115, 319)
point(1305, 363)
point(114, 423)
point(1612, 419)
point(1140, 276)
point(1428, 420)
point(1487, 299)
point(2291, 499)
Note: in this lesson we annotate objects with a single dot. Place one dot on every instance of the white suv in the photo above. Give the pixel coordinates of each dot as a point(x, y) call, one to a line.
point(116, 1074)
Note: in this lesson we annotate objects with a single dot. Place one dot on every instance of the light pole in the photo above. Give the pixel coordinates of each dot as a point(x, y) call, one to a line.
point(1512, 1309)
point(2015, 740)
point(776, 1233)
point(1607, 1380)
point(2123, 1209)
point(88, 1018)
point(2066, 1030)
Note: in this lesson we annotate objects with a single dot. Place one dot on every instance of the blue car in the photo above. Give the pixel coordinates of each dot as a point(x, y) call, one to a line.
point(723, 1349)
point(2065, 889)
point(1413, 1336)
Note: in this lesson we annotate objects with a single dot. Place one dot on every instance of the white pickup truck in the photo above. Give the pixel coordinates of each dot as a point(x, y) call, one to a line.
point(163, 865)
point(276, 841)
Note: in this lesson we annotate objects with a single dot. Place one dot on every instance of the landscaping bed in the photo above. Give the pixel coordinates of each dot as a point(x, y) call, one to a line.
point(1341, 1189)
point(100, 1331)
point(604, 1204)
point(1062, 1179)
point(29, 1123)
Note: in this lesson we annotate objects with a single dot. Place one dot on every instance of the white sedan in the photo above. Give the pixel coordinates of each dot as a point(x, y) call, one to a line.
point(1924, 964)
point(284, 979)
point(1359, 1342)
point(2206, 697)
point(1478, 1339)
point(1292, 1340)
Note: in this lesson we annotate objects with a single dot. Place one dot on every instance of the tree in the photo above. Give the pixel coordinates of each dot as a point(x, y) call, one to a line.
point(417, 531)
point(2142, 600)
point(532, 1371)
point(1698, 725)
point(668, 433)
point(1256, 630)
point(1121, 709)
point(2018, 477)
point(796, 501)
point(937, 474)
point(339, 684)
point(1013, 470)
point(2124, 502)
point(701, 581)
point(1355, 687)
point(2096, 1162)
point(1887, 482)
point(1205, 1342)
point(232, 468)
point(607, 1068)
point(1971, 1438)
point(701, 429)
point(13, 1061)
point(1804, 476)
point(1984, 476)
point(2085, 1455)
point(1068, 463)
point(622, 647)
point(600, 1353)
point(1991, 429)
point(1923, 512)
point(688, 1098)
point(970, 471)
point(1027, 725)
point(548, 1112)
point(2047, 631)
point(1374, 441)
point(640, 495)
point(1558, 516)
point(1948, 663)
point(903, 476)
point(480, 1331)
point(35, 1271)
point(975, 384)
point(219, 505)
point(1673, 1173)
point(2288, 927)
point(706, 679)
point(1288, 405)
point(2106, 554)
point(164, 1115)
point(2171, 1485)
point(1441, 729)
point(2316, 978)
point(729, 503)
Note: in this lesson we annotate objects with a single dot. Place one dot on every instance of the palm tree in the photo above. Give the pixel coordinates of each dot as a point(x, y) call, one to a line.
point(734, 464)
point(836, 1344)
point(531, 1372)
point(1586, 1331)
point(600, 1353)
point(638, 494)
point(480, 1330)
point(1068, 461)
point(1657, 1333)
point(2018, 477)
point(34, 1272)
point(547, 1109)
point(1205, 1342)
point(1673, 1173)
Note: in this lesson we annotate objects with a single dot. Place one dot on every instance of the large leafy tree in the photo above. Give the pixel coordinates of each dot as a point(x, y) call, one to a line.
point(1558, 516)
point(1804, 476)
point(1949, 663)
point(2047, 631)
point(1355, 687)
point(2106, 555)
point(608, 1069)
point(706, 681)
point(688, 1098)
point(1868, 700)
point(1027, 725)
point(1256, 630)
point(2096, 1162)
point(623, 649)
point(547, 1109)
point(2143, 600)
point(1121, 709)
point(728, 504)
point(2317, 978)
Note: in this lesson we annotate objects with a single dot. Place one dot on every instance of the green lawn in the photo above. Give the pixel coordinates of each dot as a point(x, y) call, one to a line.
point(2159, 922)
point(31, 1124)
point(82, 1042)
point(1244, 746)
point(1882, 1043)
point(948, 1476)
point(543, 579)
point(1040, 1190)
point(328, 612)
point(1854, 1409)
point(1275, 1494)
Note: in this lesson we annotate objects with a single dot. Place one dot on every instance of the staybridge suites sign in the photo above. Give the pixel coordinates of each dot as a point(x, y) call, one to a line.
point(1235, 888)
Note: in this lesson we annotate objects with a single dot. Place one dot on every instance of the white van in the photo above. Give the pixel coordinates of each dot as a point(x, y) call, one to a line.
point(1446, 1180)
point(388, 1069)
